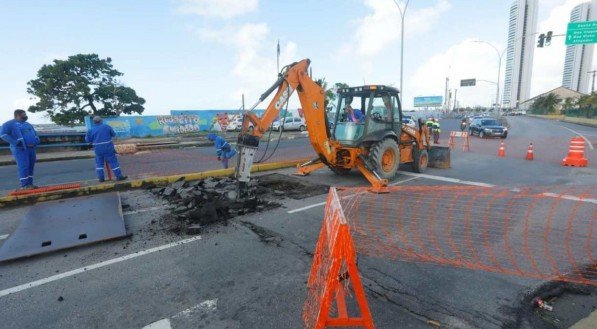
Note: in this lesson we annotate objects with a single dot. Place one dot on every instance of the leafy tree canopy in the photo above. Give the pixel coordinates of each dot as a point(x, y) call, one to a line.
point(84, 84)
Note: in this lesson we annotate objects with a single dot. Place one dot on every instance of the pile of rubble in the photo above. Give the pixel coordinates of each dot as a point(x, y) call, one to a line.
point(211, 200)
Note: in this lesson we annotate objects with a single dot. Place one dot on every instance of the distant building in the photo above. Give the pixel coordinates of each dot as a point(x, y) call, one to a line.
point(562, 92)
point(579, 58)
point(521, 46)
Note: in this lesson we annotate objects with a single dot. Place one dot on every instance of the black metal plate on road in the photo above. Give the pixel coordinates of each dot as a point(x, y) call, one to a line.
point(68, 223)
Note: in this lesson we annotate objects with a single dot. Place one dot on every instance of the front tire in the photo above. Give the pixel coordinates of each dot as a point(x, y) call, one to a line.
point(385, 156)
point(481, 134)
point(302, 128)
point(420, 160)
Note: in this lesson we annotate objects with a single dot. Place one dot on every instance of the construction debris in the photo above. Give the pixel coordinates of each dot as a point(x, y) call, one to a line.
point(195, 205)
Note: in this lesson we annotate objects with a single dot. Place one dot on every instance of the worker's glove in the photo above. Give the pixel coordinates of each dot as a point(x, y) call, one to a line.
point(219, 158)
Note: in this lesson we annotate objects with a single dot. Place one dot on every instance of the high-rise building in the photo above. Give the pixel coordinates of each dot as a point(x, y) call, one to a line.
point(579, 58)
point(521, 46)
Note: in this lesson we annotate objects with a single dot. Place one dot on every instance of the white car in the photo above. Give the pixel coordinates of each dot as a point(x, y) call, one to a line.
point(290, 124)
point(408, 120)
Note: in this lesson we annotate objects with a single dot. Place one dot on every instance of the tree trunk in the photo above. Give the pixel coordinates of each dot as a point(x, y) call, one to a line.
point(90, 100)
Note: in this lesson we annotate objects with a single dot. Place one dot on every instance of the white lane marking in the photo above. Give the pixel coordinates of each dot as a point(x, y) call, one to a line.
point(2, 237)
point(581, 135)
point(306, 207)
point(323, 203)
point(448, 179)
point(162, 324)
point(570, 197)
point(132, 212)
point(60, 276)
point(207, 306)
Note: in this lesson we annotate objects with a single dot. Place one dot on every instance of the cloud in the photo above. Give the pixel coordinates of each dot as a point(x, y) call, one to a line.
point(254, 50)
point(548, 62)
point(382, 27)
point(465, 60)
point(218, 8)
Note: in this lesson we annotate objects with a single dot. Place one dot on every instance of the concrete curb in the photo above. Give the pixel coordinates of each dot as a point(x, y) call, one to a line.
point(9, 200)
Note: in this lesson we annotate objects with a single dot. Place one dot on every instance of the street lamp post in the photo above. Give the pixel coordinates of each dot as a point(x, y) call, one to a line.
point(402, 13)
point(500, 56)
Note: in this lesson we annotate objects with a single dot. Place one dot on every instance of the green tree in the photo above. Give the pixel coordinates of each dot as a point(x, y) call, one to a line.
point(538, 106)
point(84, 84)
point(330, 93)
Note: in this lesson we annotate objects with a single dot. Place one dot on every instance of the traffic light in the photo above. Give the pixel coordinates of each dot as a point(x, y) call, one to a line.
point(541, 40)
point(548, 38)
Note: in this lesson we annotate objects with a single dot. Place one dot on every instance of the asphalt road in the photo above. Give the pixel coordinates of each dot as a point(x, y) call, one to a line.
point(146, 164)
point(231, 277)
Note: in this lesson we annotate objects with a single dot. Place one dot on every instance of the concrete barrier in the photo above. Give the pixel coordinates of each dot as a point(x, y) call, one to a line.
point(8, 201)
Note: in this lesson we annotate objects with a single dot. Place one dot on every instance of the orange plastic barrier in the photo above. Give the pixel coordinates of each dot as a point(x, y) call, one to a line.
point(545, 233)
point(576, 153)
point(466, 146)
point(333, 271)
point(45, 189)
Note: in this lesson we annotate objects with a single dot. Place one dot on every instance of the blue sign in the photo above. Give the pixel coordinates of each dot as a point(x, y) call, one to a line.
point(429, 101)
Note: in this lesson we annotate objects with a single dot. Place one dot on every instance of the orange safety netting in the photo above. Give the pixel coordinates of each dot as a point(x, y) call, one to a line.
point(542, 233)
point(334, 269)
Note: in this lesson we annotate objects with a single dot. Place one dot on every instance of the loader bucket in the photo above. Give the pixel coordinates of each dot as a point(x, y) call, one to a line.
point(439, 157)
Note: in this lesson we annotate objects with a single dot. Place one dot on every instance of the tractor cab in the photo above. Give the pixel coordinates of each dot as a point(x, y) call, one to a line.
point(366, 114)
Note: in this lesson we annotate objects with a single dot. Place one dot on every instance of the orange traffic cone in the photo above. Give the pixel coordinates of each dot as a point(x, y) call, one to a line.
point(576, 153)
point(530, 152)
point(502, 150)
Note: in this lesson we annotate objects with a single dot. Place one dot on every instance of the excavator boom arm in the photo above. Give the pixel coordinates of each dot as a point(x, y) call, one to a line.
point(293, 78)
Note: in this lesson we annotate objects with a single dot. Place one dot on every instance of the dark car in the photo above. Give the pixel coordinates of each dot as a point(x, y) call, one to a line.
point(487, 127)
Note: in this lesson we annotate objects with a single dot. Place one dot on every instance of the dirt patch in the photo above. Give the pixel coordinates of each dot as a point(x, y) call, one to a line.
point(198, 204)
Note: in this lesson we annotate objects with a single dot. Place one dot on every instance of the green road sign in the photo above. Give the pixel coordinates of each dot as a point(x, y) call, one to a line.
point(581, 33)
point(468, 82)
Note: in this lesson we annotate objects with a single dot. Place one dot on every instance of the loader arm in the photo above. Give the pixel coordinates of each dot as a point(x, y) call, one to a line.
point(294, 77)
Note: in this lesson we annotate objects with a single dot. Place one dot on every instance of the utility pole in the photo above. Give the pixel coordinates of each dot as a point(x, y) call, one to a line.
point(593, 87)
point(500, 57)
point(455, 98)
point(278, 58)
point(402, 14)
point(446, 100)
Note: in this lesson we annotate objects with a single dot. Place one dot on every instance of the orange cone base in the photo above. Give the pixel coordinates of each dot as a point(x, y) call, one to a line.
point(571, 162)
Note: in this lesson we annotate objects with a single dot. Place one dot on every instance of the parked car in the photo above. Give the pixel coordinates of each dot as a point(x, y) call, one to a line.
point(487, 127)
point(236, 124)
point(408, 120)
point(290, 124)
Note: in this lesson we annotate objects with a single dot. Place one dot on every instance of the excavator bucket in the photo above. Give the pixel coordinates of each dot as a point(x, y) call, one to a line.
point(439, 157)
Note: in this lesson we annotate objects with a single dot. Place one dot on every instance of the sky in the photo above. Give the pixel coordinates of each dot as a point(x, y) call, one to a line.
point(204, 54)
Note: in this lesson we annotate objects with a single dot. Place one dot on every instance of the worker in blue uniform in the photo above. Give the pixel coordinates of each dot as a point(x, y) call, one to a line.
point(23, 140)
point(100, 135)
point(224, 150)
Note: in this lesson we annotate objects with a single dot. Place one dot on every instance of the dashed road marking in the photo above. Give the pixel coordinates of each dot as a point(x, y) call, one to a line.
point(162, 324)
point(60, 276)
point(323, 203)
point(206, 306)
point(448, 179)
point(570, 197)
point(2, 237)
point(581, 135)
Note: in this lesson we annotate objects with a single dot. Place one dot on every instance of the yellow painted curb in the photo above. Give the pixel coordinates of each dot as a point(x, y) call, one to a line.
point(10, 200)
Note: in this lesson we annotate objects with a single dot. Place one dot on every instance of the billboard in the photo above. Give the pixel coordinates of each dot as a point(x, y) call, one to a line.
point(429, 101)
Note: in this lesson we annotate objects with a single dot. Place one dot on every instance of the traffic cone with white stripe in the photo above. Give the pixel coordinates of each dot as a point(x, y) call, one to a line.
point(502, 150)
point(530, 155)
point(576, 153)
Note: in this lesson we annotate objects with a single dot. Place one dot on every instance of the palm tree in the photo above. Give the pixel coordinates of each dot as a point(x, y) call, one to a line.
point(551, 102)
point(538, 106)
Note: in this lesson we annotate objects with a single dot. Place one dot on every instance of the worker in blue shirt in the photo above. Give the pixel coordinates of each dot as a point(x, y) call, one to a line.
point(100, 135)
point(23, 139)
point(224, 150)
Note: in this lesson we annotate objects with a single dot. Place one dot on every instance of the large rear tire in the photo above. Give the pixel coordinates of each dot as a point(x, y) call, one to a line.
point(385, 155)
point(420, 160)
